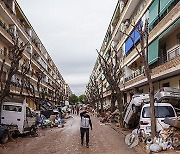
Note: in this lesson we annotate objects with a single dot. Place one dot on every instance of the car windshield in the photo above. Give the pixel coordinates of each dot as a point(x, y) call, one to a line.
point(12, 108)
point(160, 112)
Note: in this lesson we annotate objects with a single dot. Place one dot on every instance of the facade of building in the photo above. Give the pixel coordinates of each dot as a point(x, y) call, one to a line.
point(163, 45)
point(14, 24)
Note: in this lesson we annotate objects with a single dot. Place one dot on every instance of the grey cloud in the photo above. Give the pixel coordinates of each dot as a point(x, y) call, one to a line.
point(71, 30)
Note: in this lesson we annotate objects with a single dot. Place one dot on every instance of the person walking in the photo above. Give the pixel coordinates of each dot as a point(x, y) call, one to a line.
point(72, 109)
point(84, 128)
point(77, 110)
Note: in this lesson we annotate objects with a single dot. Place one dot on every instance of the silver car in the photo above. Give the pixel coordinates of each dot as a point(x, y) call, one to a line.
point(130, 118)
point(166, 93)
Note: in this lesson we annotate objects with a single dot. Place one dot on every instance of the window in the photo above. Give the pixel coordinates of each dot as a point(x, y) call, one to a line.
point(163, 53)
point(164, 4)
point(153, 12)
point(5, 52)
point(157, 10)
point(167, 84)
point(135, 36)
point(160, 112)
point(12, 108)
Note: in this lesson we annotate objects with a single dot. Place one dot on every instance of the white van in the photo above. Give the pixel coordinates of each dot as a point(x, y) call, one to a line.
point(18, 114)
point(162, 110)
point(131, 110)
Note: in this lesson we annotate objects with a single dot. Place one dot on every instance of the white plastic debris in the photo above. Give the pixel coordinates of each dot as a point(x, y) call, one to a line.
point(155, 148)
point(131, 140)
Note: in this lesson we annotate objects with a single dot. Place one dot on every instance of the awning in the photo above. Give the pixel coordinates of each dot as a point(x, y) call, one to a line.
point(154, 46)
point(153, 12)
point(164, 4)
point(153, 52)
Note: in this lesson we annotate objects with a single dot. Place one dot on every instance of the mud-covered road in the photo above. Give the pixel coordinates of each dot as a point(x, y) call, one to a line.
point(103, 140)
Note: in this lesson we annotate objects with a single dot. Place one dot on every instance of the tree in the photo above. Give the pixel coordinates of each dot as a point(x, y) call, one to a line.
point(94, 93)
point(73, 99)
point(143, 53)
point(15, 55)
point(39, 75)
point(90, 97)
point(113, 72)
point(25, 68)
point(97, 90)
point(82, 98)
point(1, 72)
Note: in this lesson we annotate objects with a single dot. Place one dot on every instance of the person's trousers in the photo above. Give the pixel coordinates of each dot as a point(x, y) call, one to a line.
point(83, 131)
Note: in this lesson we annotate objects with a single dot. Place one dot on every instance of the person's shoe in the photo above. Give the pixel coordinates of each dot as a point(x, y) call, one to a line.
point(87, 145)
point(81, 143)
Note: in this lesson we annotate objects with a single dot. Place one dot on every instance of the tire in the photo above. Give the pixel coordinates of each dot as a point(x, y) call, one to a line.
point(33, 131)
point(16, 134)
point(4, 138)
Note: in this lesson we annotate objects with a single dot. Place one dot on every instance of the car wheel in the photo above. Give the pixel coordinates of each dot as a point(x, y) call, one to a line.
point(4, 138)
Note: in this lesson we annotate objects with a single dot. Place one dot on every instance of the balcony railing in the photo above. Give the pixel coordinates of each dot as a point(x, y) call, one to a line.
point(173, 53)
point(135, 74)
point(4, 26)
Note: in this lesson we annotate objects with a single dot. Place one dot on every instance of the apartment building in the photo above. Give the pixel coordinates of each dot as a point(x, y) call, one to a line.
point(14, 24)
point(163, 45)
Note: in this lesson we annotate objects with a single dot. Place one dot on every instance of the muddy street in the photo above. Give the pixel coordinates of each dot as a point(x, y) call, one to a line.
point(103, 139)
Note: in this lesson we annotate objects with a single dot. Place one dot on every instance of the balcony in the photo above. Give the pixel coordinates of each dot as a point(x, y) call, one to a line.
point(166, 65)
point(171, 54)
point(15, 19)
point(5, 32)
point(135, 74)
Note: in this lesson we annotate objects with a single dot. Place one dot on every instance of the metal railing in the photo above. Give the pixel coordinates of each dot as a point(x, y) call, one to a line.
point(171, 54)
point(135, 74)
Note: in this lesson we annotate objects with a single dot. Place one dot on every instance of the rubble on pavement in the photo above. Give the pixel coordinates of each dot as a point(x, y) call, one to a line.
point(111, 117)
point(167, 138)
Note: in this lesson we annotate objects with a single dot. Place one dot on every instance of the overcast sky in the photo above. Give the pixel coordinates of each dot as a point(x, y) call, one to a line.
point(71, 30)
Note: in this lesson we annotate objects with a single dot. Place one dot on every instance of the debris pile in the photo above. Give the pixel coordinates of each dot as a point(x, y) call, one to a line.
point(111, 117)
point(53, 118)
point(167, 138)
